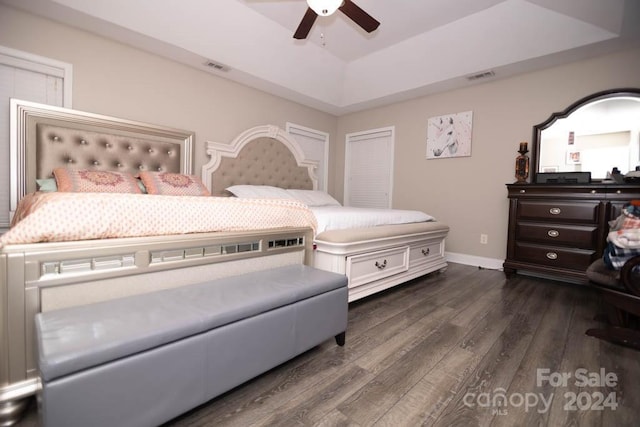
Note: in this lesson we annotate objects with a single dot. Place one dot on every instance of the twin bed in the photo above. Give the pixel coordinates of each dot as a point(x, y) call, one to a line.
point(68, 249)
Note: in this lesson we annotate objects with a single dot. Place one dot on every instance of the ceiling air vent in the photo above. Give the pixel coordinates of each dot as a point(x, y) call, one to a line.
point(216, 66)
point(482, 75)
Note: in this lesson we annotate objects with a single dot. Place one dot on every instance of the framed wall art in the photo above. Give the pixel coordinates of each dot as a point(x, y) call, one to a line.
point(449, 135)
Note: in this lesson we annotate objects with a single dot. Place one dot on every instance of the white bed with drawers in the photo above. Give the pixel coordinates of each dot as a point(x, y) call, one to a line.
point(389, 248)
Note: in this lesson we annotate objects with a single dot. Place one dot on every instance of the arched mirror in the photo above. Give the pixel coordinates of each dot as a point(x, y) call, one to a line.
point(595, 134)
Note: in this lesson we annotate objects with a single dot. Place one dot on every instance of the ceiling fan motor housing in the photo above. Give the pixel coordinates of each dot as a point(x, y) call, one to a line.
point(327, 7)
point(324, 7)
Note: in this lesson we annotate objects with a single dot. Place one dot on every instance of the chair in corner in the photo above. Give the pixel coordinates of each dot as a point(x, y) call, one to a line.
point(620, 293)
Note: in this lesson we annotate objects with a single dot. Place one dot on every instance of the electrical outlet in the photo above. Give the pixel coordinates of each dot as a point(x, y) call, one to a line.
point(484, 239)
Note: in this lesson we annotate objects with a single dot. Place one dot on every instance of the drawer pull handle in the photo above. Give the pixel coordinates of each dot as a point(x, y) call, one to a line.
point(381, 266)
point(523, 191)
point(552, 255)
point(425, 253)
point(619, 192)
point(553, 233)
point(555, 211)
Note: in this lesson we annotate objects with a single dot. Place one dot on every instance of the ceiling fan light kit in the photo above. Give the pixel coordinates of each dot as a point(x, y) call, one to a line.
point(324, 7)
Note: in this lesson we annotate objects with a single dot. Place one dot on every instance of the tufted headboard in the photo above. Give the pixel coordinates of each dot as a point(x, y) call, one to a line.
point(262, 155)
point(44, 137)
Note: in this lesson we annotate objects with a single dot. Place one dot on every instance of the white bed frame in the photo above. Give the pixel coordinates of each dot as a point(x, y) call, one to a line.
point(373, 259)
point(47, 276)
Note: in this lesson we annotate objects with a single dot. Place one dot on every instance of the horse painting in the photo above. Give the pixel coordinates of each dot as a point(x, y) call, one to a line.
point(449, 136)
point(446, 139)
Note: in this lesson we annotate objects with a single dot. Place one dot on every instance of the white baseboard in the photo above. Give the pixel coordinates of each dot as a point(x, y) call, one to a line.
point(489, 263)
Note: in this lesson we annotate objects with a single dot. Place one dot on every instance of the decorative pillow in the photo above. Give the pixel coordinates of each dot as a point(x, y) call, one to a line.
point(173, 184)
point(259, 192)
point(47, 185)
point(314, 197)
point(94, 181)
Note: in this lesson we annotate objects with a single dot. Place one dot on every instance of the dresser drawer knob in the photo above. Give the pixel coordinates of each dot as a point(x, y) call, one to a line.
point(381, 266)
point(555, 211)
point(523, 191)
point(552, 255)
point(619, 192)
point(553, 233)
point(425, 253)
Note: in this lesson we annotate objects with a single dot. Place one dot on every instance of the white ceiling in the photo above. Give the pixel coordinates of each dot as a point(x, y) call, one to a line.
point(421, 46)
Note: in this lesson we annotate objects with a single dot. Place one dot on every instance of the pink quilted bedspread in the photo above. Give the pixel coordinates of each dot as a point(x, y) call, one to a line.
point(57, 217)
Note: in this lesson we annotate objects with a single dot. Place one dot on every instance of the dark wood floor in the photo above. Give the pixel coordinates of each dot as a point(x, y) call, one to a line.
point(467, 347)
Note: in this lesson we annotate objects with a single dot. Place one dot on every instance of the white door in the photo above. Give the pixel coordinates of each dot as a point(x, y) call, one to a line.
point(30, 78)
point(369, 168)
point(315, 146)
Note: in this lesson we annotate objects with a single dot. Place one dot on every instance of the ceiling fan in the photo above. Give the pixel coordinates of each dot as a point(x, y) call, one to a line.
point(326, 8)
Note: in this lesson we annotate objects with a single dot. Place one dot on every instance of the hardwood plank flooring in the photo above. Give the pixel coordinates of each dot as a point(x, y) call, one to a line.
point(467, 347)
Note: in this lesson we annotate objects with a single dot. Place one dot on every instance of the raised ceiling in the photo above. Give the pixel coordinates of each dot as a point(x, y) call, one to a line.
point(421, 46)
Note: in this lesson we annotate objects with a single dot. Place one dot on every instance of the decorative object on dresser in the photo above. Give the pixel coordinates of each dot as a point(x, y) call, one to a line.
point(563, 178)
point(522, 163)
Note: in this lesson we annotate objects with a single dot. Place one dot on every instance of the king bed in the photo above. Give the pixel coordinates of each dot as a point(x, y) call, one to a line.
point(75, 248)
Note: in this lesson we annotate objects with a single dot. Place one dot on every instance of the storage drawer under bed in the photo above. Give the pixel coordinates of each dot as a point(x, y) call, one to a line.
point(425, 252)
point(365, 268)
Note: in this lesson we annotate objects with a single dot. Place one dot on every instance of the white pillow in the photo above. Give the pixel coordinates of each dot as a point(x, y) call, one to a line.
point(259, 192)
point(314, 197)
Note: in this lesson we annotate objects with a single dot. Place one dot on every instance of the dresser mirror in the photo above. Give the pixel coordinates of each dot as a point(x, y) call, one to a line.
point(595, 134)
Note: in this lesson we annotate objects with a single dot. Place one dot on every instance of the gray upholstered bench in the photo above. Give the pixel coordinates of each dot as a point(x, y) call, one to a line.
point(145, 359)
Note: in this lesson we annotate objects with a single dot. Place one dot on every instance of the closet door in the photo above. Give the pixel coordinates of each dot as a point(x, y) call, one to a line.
point(369, 168)
point(315, 145)
point(30, 78)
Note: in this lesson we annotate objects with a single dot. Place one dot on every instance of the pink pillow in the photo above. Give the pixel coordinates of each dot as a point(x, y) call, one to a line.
point(95, 181)
point(173, 184)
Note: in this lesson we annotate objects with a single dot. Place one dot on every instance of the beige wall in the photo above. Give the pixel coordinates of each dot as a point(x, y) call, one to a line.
point(467, 193)
point(115, 79)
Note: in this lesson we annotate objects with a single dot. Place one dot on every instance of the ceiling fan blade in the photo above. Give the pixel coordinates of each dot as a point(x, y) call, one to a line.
point(359, 16)
point(305, 25)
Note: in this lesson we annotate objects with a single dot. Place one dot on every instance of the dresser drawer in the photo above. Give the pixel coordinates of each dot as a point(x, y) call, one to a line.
point(561, 211)
point(368, 267)
point(577, 236)
point(574, 259)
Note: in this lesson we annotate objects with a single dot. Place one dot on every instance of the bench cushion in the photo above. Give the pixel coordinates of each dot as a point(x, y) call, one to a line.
point(75, 338)
point(380, 232)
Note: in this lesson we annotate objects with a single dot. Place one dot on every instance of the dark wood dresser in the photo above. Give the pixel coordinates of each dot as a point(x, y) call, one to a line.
point(556, 231)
